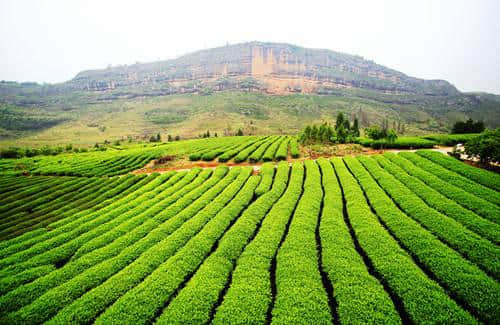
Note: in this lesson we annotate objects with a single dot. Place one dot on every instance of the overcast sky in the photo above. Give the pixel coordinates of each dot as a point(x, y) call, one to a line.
point(51, 41)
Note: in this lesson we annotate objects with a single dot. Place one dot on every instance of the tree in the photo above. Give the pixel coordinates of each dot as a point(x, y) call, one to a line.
point(177, 138)
point(322, 132)
point(152, 139)
point(385, 126)
point(10, 152)
point(342, 134)
point(215, 134)
point(239, 133)
point(314, 133)
point(355, 128)
point(169, 138)
point(208, 134)
point(340, 120)
point(347, 125)
point(391, 136)
point(375, 133)
point(307, 132)
point(158, 137)
point(468, 126)
point(486, 147)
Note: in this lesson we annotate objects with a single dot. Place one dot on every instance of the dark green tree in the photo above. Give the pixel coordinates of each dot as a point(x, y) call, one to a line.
point(307, 132)
point(375, 133)
point(314, 133)
point(342, 134)
point(355, 128)
point(391, 136)
point(486, 147)
point(339, 121)
point(468, 126)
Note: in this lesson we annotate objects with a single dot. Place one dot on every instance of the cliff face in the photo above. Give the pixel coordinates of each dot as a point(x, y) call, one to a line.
point(268, 67)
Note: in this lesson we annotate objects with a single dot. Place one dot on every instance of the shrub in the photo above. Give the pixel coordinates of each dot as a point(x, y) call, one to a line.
point(485, 147)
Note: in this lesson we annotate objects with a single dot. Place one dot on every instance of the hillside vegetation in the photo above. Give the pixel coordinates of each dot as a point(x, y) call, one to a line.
point(267, 88)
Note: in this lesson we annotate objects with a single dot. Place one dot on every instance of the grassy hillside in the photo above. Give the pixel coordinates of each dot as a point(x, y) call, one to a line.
point(262, 88)
point(188, 115)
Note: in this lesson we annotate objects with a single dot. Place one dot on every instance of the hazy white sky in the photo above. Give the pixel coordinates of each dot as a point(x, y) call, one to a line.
point(51, 41)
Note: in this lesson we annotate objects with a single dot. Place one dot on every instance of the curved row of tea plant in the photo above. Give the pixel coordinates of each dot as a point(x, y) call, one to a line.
point(348, 240)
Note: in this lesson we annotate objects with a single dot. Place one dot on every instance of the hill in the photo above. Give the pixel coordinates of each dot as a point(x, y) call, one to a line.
point(259, 87)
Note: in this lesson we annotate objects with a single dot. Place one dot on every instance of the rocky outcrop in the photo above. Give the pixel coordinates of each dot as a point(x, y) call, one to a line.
point(276, 68)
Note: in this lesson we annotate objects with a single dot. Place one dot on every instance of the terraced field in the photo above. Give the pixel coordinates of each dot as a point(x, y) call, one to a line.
point(121, 160)
point(394, 238)
point(253, 149)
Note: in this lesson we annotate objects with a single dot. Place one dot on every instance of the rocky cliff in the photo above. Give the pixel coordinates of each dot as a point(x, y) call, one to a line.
point(269, 67)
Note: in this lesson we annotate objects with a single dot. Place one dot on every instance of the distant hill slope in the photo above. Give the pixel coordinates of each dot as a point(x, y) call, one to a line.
point(230, 85)
point(272, 67)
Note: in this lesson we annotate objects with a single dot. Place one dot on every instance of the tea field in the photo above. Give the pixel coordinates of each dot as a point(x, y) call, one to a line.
point(392, 238)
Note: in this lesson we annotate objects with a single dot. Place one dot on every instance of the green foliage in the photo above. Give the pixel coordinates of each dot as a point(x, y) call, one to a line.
point(355, 128)
point(249, 295)
point(282, 152)
point(15, 118)
point(482, 192)
point(486, 147)
point(391, 136)
point(398, 143)
point(375, 132)
point(11, 153)
point(300, 292)
point(344, 266)
point(477, 249)
point(450, 139)
point(267, 175)
point(294, 148)
point(484, 177)
point(259, 152)
point(271, 151)
point(423, 299)
point(443, 197)
point(468, 126)
point(324, 133)
point(464, 279)
point(145, 300)
point(394, 238)
point(131, 250)
point(203, 295)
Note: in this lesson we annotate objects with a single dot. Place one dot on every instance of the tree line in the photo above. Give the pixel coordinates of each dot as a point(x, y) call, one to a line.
point(344, 132)
point(468, 126)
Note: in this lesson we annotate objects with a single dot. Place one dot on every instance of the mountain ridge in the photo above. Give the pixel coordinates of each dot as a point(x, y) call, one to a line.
point(262, 88)
point(314, 69)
